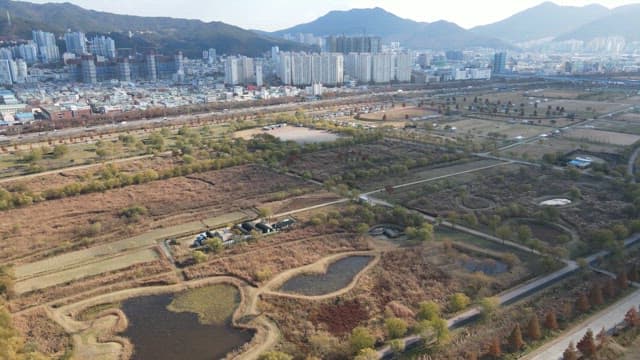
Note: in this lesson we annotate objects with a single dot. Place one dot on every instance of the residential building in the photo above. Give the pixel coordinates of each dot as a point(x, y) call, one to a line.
point(76, 43)
point(103, 46)
point(47, 49)
point(499, 63)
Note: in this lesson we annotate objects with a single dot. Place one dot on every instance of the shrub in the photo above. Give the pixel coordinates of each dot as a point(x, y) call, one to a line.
point(360, 339)
point(395, 327)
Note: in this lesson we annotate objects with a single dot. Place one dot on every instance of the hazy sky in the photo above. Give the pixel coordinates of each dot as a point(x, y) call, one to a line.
point(279, 14)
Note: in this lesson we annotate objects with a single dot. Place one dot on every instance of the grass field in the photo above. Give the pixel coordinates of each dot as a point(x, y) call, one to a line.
point(620, 125)
point(537, 149)
point(604, 137)
point(300, 135)
point(213, 304)
point(398, 113)
point(99, 267)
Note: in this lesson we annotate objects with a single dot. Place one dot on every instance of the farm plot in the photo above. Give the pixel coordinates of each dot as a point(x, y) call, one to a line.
point(486, 128)
point(557, 145)
point(626, 125)
point(510, 206)
point(99, 267)
point(74, 223)
point(367, 166)
point(603, 137)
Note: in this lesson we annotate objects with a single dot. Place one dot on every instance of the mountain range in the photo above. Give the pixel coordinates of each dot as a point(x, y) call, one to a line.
point(547, 23)
point(163, 33)
point(417, 35)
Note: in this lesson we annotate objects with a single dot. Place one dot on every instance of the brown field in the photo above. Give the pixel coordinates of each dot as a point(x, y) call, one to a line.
point(627, 124)
point(48, 337)
point(603, 137)
point(537, 149)
point(70, 223)
point(482, 128)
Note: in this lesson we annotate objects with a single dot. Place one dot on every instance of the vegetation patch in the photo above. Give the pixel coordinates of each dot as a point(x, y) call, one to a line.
point(213, 304)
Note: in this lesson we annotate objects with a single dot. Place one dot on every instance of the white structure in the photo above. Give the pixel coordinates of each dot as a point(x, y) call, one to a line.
point(382, 68)
point(242, 71)
point(301, 69)
point(76, 43)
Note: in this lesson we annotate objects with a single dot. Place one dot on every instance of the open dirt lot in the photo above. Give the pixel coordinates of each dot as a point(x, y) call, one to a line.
point(396, 114)
point(604, 137)
point(300, 135)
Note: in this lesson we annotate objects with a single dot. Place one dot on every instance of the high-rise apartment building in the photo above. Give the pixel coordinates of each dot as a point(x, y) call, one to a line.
point(103, 46)
point(47, 49)
point(499, 63)
point(76, 43)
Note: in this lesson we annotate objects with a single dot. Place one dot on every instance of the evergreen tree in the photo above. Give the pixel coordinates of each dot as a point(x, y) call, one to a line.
point(587, 345)
point(595, 295)
point(631, 318)
point(495, 351)
point(533, 329)
point(570, 353)
point(515, 339)
point(582, 304)
point(622, 280)
point(550, 321)
point(609, 290)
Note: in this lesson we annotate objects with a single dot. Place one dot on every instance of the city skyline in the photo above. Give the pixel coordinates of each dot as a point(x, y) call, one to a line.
point(281, 14)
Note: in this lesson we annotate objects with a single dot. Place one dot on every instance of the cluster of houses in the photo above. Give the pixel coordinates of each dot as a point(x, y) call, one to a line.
point(242, 231)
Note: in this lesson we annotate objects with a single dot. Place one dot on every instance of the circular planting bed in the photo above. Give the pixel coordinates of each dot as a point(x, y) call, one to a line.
point(476, 203)
point(545, 231)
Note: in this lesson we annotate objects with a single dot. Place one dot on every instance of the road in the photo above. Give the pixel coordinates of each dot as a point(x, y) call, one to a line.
point(607, 319)
point(79, 167)
point(631, 166)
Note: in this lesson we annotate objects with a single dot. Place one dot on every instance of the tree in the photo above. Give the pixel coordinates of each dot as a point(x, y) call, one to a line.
point(609, 289)
point(458, 301)
point(199, 256)
point(595, 295)
point(494, 349)
point(471, 355)
point(428, 310)
point(515, 339)
point(587, 345)
point(524, 233)
point(367, 354)
point(488, 306)
point(275, 355)
point(582, 304)
point(214, 244)
point(360, 339)
point(622, 280)
point(395, 327)
point(533, 328)
point(397, 346)
point(550, 321)
point(570, 353)
point(59, 151)
point(631, 318)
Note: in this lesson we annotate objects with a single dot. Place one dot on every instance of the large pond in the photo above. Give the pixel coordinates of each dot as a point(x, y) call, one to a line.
point(338, 275)
point(160, 334)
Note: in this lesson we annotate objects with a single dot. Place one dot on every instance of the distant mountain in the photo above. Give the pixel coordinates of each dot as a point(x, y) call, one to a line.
point(546, 20)
point(166, 34)
point(378, 22)
point(622, 22)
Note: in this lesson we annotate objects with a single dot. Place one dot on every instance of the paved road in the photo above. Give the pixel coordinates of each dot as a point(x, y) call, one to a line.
point(631, 166)
point(79, 167)
point(607, 318)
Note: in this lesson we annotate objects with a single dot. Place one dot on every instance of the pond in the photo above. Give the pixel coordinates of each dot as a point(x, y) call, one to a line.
point(338, 275)
point(160, 334)
point(487, 266)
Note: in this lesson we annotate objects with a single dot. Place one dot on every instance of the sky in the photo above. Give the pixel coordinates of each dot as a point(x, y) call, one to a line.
point(271, 15)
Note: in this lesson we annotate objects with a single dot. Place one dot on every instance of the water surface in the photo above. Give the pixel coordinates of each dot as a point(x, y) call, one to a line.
point(339, 274)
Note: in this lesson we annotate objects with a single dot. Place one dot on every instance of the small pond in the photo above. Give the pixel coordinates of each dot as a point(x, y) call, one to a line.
point(160, 334)
point(486, 266)
point(338, 275)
